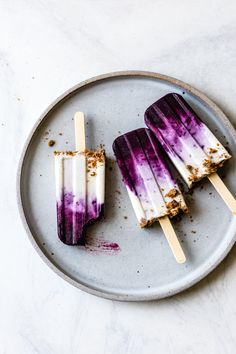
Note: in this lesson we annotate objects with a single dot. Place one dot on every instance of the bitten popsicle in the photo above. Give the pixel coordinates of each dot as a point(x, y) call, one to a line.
point(192, 147)
point(153, 192)
point(80, 177)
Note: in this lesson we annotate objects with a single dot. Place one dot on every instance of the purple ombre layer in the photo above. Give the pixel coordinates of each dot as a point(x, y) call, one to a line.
point(185, 113)
point(73, 217)
point(140, 148)
point(173, 121)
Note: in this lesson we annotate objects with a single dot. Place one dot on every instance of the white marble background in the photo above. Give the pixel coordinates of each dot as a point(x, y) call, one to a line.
point(46, 46)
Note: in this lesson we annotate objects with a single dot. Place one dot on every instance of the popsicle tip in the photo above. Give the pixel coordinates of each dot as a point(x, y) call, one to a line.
point(181, 259)
point(79, 115)
point(233, 207)
point(79, 131)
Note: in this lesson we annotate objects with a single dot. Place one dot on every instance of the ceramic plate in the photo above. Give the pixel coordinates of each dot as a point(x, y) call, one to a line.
point(121, 261)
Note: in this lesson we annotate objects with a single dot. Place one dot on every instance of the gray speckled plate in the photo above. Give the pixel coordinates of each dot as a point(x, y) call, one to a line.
point(144, 267)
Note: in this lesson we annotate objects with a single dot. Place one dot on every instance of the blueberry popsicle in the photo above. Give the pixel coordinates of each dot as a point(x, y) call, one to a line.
point(80, 179)
point(192, 147)
point(153, 192)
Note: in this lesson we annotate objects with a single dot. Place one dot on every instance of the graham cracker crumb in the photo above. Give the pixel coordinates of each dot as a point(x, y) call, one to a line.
point(143, 222)
point(212, 150)
point(172, 193)
point(51, 143)
point(93, 157)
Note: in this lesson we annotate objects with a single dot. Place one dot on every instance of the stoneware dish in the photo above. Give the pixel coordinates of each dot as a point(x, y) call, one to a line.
point(122, 261)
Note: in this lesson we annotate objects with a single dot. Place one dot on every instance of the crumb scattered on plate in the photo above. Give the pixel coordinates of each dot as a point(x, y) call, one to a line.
point(51, 143)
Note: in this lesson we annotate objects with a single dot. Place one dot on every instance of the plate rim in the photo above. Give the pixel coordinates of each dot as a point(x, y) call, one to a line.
point(83, 84)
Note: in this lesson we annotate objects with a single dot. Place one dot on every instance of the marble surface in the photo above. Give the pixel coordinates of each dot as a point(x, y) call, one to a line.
point(46, 47)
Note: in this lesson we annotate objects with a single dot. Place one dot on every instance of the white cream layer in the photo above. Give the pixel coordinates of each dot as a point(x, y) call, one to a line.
point(75, 174)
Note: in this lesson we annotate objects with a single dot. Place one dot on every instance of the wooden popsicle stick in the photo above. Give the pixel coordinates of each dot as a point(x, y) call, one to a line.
point(172, 239)
point(79, 131)
point(223, 191)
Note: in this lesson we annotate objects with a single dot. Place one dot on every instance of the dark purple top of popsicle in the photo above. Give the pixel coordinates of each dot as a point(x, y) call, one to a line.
point(171, 118)
point(140, 147)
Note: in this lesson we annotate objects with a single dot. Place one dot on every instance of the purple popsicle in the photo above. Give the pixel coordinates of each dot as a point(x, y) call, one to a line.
point(152, 189)
point(192, 147)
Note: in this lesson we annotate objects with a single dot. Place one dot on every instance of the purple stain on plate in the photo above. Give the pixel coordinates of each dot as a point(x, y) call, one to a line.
point(99, 244)
point(110, 246)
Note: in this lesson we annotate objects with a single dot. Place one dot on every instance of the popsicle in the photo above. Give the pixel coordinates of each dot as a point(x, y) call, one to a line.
point(192, 147)
point(153, 191)
point(80, 177)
